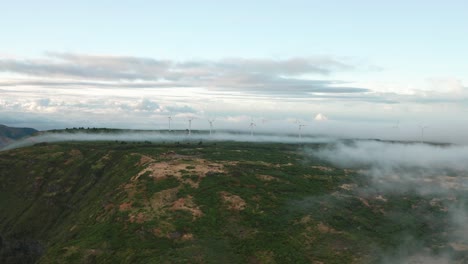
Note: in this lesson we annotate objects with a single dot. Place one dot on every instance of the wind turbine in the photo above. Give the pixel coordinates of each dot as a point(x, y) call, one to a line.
point(169, 118)
point(397, 127)
point(252, 125)
point(190, 125)
point(422, 131)
point(211, 124)
point(300, 130)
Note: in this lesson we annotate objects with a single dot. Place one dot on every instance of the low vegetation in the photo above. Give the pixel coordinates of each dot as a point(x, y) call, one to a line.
point(194, 202)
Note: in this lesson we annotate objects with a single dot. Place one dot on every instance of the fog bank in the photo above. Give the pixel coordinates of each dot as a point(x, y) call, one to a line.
point(388, 156)
point(157, 136)
point(438, 173)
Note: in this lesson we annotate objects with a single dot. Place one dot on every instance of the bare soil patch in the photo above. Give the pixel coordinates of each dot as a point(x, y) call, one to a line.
point(187, 204)
point(233, 202)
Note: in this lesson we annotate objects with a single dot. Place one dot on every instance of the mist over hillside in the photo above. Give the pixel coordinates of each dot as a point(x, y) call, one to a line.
point(10, 134)
point(158, 136)
point(436, 173)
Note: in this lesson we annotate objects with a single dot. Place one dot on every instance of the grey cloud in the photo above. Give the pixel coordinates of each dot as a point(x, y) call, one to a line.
point(438, 98)
point(181, 109)
point(79, 83)
point(134, 68)
point(268, 76)
point(293, 66)
point(43, 102)
point(94, 67)
point(148, 105)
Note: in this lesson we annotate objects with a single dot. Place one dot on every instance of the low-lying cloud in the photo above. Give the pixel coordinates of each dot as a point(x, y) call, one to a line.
point(437, 173)
point(158, 137)
point(424, 168)
point(396, 156)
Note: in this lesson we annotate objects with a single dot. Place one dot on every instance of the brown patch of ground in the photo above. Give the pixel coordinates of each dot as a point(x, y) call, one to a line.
point(75, 154)
point(322, 168)
point(178, 167)
point(130, 189)
point(323, 228)
point(450, 182)
point(163, 229)
point(107, 156)
point(169, 153)
point(187, 237)
point(157, 232)
point(137, 218)
point(109, 206)
point(125, 206)
point(234, 202)
point(163, 198)
point(267, 178)
point(186, 169)
point(187, 204)
point(381, 198)
point(364, 201)
point(459, 246)
point(92, 252)
point(144, 159)
point(262, 163)
point(306, 219)
point(348, 186)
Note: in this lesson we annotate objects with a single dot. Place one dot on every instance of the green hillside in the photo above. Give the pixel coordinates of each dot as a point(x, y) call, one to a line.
point(205, 202)
point(9, 134)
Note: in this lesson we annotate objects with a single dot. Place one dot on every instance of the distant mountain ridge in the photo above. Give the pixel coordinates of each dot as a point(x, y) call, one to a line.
point(10, 134)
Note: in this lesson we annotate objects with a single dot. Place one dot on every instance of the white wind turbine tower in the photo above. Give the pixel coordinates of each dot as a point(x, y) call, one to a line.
point(252, 125)
point(190, 125)
point(422, 128)
point(300, 130)
point(211, 124)
point(169, 118)
point(397, 127)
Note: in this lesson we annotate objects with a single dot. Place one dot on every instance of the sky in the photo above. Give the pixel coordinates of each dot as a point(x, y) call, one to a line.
point(380, 69)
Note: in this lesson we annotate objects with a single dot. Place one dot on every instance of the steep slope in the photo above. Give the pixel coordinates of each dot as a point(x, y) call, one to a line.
point(117, 202)
point(9, 134)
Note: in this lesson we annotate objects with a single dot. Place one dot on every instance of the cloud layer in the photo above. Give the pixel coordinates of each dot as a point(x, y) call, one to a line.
point(67, 89)
point(288, 76)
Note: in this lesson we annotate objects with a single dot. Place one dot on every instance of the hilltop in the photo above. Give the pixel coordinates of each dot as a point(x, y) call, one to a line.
point(10, 134)
point(209, 202)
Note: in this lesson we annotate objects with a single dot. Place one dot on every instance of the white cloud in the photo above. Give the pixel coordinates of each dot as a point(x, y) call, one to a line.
point(320, 117)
